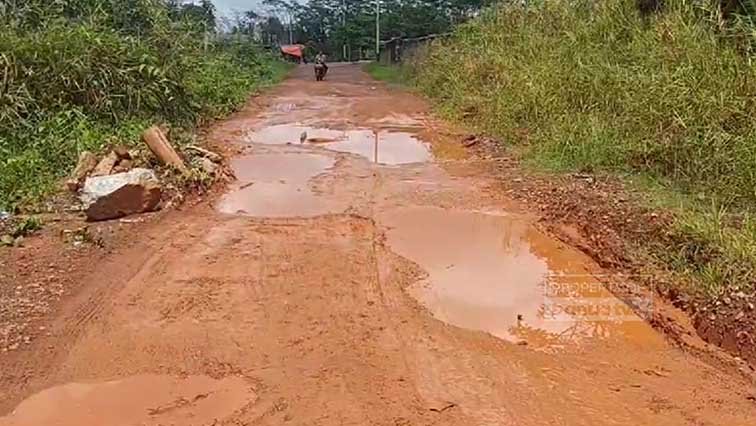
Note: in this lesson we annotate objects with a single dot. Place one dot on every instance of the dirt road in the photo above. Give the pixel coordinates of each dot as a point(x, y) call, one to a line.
point(362, 271)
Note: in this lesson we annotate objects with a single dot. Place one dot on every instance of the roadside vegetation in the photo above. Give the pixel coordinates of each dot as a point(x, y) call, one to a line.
point(661, 94)
point(85, 74)
point(391, 74)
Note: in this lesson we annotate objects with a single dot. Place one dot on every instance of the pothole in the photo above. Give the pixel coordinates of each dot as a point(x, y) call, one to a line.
point(378, 146)
point(149, 400)
point(277, 185)
point(498, 274)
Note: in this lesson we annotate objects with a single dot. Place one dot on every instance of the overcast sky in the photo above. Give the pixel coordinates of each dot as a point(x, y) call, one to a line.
point(226, 6)
point(241, 5)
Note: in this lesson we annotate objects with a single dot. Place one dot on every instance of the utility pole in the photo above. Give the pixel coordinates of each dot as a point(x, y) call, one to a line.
point(343, 25)
point(377, 30)
point(291, 29)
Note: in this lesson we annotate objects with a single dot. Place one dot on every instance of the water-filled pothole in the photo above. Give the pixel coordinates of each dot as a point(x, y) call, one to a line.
point(499, 275)
point(277, 185)
point(379, 146)
point(149, 400)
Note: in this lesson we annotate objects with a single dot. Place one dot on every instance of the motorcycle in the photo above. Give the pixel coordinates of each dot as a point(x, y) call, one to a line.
point(320, 72)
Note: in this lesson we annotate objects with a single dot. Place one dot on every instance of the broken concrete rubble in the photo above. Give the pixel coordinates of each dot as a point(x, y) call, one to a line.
point(123, 166)
point(122, 152)
point(121, 194)
point(87, 162)
point(106, 165)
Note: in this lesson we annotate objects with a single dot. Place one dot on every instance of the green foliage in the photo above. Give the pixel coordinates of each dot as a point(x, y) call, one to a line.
point(599, 87)
point(26, 227)
point(388, 73)
point(330, 25)
point(78, 74)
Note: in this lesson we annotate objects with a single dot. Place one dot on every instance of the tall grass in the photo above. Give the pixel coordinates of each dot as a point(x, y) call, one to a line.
point(388, 73)
point(82, 74)
point(597, 86)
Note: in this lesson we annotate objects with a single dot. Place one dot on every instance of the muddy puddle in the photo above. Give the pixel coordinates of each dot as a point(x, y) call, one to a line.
point(379, 146)
point(149, 400)
point(277, 185)
point(499, 275)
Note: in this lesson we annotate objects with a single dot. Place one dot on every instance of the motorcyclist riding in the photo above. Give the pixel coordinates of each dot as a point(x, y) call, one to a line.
point(321, 68)
point(320, 58)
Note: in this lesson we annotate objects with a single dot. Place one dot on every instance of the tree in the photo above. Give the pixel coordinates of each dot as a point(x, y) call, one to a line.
point(200, 15)
point(333, 24)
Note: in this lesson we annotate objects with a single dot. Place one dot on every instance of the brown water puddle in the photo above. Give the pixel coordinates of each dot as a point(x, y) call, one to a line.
point(497, 274)
point(277, 185)
point(379, 146)
point(150, 400)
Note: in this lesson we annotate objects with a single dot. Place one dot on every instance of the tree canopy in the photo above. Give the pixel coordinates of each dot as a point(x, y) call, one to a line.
point(330, 25)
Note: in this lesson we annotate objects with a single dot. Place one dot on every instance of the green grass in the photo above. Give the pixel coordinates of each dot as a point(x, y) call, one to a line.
point(81, 79)
point(595, 87)
point(393, 74)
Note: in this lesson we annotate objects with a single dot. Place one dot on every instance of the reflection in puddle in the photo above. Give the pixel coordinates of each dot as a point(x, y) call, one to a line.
point(276, 185)
point(497, 274)
point(384, 147)
point(149, 400)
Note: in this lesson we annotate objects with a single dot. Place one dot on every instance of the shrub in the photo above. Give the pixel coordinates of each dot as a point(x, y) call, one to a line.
point(80, 74)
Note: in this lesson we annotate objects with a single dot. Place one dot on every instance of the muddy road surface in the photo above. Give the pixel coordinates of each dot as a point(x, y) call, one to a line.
point(362, 270)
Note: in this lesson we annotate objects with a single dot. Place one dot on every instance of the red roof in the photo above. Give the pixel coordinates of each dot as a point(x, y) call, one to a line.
point(293, 50)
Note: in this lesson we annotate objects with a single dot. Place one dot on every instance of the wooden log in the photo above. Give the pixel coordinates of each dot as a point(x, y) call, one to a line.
point(163, 150)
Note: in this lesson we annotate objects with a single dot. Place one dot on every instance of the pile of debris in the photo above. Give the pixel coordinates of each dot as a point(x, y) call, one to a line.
point(121, 184)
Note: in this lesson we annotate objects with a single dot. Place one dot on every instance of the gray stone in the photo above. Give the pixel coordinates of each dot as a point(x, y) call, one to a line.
point(208, 166)
point(121, 194)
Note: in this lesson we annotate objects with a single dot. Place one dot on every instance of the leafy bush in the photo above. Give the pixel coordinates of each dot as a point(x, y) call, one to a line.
point(80, 74)
point(597, 86)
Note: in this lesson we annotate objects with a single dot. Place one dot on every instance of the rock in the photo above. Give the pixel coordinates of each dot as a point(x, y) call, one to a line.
point(19, 241)
point(106, 165)
point(123, 166)
point(208, 166)
point(122, 194)
point(739, 316)
point(216, 158)
point(87, 162)
point(163, 150)
point(72, 185)
point(122, 152)
point(7, 240)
